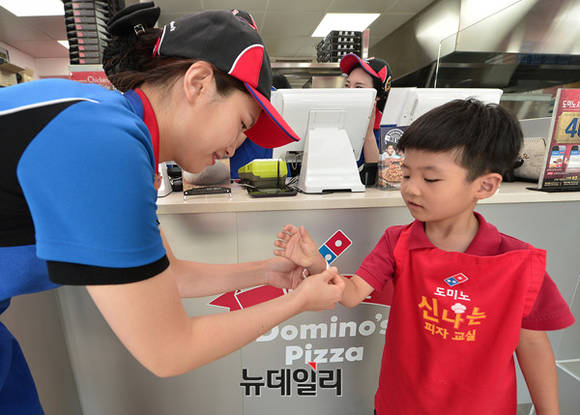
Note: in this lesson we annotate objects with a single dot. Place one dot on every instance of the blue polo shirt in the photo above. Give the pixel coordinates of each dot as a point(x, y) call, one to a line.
point(80, 166)
point(78, 203)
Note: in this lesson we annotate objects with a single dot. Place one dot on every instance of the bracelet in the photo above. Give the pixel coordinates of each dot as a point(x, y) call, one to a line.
point(306, 273)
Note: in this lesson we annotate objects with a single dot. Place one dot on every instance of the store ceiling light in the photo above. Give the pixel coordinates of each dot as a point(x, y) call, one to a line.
point(26, 8)
point(344, 21)
point(64, 43)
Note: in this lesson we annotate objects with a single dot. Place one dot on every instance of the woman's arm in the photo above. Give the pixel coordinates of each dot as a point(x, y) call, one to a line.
point(149, 319)
point(196, 279)
point(536, 360)
point(370, 148)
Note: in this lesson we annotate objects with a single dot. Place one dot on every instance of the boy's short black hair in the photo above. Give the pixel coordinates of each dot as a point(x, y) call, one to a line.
point(488, 138)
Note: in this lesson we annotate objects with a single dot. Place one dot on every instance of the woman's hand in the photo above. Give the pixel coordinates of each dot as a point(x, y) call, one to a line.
point(283, 273)
point(297, 245)
point(321, 291)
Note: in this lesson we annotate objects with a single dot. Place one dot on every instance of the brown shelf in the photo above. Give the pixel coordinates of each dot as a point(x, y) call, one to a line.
point(10, 68)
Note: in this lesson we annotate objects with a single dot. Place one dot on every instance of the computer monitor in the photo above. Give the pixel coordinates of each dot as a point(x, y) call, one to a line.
point(405, 105)
point(395, 112)
point(332, 124)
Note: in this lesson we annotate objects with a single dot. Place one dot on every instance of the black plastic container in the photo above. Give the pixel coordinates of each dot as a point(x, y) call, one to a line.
point(368, 174)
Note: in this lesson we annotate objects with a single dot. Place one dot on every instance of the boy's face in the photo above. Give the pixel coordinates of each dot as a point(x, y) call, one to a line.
point(434, 186)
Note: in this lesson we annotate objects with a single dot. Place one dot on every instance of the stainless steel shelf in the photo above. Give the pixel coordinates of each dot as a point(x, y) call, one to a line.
point(311, 68)
point(310, 74)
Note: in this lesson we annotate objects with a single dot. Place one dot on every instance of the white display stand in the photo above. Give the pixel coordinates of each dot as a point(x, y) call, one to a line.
point(328, 162)
point(165, 187)
point(332, 123)
point(405, 105)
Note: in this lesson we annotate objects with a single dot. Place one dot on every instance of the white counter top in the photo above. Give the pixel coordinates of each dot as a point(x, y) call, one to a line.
point(239, 201)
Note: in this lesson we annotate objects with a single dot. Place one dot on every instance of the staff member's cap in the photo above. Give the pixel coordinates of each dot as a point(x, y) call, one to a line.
point(233, 45)
point(375, 67)
point(137, 17)
point(246, 16)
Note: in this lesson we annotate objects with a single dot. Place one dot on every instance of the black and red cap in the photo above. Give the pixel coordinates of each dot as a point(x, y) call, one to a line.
point(232, 44)
point(137, 16)
point(246, 16)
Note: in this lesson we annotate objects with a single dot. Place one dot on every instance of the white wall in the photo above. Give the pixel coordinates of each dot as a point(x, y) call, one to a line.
point(42, 67)
point(21, 59)
point(48, 67)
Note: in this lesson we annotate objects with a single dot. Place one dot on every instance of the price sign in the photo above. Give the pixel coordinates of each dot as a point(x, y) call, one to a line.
point(568, 129)
point(562, 161)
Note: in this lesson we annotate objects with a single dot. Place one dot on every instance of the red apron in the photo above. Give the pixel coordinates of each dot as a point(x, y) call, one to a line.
point(453, 328)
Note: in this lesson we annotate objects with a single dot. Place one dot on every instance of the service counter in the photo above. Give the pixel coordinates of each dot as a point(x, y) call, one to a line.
point(275, 374)
point(174, 203)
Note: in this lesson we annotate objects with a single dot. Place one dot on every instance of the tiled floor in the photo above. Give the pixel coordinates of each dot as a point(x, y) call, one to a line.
point(524, 409)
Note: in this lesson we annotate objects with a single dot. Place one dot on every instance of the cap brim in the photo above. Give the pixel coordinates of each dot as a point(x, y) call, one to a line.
point(349, 61)
point(270, 130)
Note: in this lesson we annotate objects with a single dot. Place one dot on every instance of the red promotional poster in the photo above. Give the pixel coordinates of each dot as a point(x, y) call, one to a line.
point(562, 160)
point(91, 77)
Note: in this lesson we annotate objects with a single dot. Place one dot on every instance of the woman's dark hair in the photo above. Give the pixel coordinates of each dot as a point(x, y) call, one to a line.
point(487, 137)
point(128, 62)
point(382, 95)
point(279, 81)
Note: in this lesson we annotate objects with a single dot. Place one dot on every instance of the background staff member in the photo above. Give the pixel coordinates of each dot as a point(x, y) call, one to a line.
point(369, 73)
point(191, 91)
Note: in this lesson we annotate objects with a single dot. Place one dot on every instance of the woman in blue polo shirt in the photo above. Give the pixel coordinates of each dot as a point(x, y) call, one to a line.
point(192, 89)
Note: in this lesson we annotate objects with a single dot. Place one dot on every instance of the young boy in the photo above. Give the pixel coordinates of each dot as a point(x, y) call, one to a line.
point(453, 353)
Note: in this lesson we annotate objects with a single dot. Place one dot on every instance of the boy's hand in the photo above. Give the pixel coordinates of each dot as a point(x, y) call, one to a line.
point(321, 291)
point(297, 245)
point(283, 273)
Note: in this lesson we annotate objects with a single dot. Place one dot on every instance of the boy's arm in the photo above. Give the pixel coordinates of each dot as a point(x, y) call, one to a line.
point(536, 360)
point(355, 291)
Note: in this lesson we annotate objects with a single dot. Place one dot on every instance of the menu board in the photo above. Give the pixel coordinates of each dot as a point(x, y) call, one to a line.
point(561, 170)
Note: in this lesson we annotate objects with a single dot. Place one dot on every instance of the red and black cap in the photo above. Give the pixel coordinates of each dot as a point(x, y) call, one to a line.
point(246, 16)
point(232, 44)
